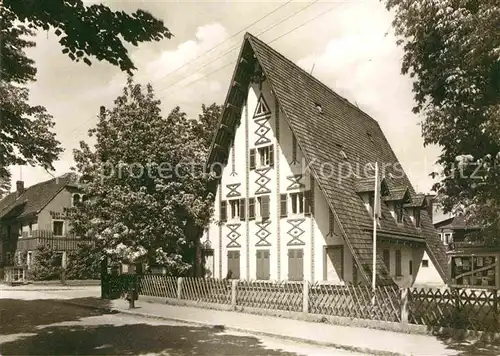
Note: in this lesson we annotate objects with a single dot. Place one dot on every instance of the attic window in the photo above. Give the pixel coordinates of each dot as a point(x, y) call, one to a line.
point(319, 108)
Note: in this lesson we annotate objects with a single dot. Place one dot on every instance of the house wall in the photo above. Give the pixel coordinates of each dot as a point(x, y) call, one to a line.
point(428, 276)
point(278, 235)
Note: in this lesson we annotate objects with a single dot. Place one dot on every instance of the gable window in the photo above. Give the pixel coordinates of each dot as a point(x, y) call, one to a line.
point(297, 200)
point(283, 205)
point(223, 211)
point(251, 208)
point(387, 259)
point(398, 263)
point(76, 200)
point(399, 213)
point(416, 216)
point(266, 156)
point(264, 207)
point(234, 205)
point(58, 227)
point(425, 263)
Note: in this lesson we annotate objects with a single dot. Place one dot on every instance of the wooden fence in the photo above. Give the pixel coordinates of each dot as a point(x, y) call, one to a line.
point(433, 308)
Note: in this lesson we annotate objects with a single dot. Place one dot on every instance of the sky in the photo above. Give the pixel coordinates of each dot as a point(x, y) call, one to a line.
point(348, 44)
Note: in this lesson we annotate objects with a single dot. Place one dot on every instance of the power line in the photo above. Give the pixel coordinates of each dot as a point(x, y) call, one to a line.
point(238, 46)
point(275, 39)
point(227, 39)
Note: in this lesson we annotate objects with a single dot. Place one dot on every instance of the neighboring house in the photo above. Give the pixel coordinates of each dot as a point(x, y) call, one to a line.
point(293, 201)
point(37, 215)
point(454, 230)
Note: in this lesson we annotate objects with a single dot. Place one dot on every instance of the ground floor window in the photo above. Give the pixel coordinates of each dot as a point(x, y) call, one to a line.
point(233, 265)
point(263, 265)
point(295, 264)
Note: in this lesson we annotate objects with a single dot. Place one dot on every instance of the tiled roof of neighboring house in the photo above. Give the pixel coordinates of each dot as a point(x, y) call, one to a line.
point(337, 131)
point(458, 222)
point(34, 198)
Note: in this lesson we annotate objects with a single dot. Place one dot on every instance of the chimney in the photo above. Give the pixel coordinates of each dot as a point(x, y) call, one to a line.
point(19, 187)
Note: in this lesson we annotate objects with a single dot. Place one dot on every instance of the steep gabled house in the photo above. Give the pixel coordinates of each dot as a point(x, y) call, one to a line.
point(37, 215)
point(296, 192)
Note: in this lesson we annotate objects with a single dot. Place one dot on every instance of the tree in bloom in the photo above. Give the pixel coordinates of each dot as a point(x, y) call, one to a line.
point(146, 182)
point(452, 51)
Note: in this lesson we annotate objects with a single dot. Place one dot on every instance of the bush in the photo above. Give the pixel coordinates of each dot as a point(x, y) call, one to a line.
point(83, 263)
point(47, 264)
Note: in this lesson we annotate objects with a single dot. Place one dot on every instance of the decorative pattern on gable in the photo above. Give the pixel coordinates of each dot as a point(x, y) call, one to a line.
point(295, 232)
point(262, 108)
point(262, 181)
point(296, 182)
point(233, 235)
point(263, 233)
point(233, 192)
point(262, 130)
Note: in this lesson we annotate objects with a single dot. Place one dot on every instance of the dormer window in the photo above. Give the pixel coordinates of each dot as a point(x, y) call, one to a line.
point(399, 212)
point(416, 216)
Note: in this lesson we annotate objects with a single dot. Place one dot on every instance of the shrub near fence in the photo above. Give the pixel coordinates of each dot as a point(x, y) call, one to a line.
point(457, 309)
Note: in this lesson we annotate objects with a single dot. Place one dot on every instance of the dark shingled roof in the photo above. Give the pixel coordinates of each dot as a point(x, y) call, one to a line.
point(34, 198)
point(319, 136)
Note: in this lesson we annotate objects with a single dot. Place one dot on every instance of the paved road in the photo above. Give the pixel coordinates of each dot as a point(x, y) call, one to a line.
point(36, 323)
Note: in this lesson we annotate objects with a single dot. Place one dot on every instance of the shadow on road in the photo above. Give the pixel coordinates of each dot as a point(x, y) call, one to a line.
point(29, 324)
point(479, 346)
point(23, 316)
point(135, 339)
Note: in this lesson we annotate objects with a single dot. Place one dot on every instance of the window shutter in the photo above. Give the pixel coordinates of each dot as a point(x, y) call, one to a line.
point(252, 158)
point(259, 265)
point(417, 217)
point(387, 259)
point(307, 202)
point(242, 209)
point(266, 266)
point(264, 207)
point(271, 155)
point(251, 208)
point(283, 206)
point(398, 263)
point(223, 211)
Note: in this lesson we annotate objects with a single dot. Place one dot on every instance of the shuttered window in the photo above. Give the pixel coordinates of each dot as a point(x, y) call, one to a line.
point(233, 264)
point(295, 264)
point(242, 210)
point(223, 211)
point(251, 208)
point(283, 206)
point(264, 207)
point(387, 259)
point(263, 265)
point(398, 263)
point(252, 158)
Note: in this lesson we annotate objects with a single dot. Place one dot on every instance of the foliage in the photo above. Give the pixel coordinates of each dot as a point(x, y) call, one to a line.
point(46, 264)
point(84, 263)
point(90, 31)
point(206, 125)
point(452, 50)
point(145, 182)
point(26, 135)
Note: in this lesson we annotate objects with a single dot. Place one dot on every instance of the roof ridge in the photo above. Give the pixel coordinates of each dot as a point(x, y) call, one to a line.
point(248, 35)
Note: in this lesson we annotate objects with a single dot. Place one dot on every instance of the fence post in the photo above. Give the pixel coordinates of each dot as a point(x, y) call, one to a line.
point(179, 287)
point(404, 305)
point(234, 285)
point(305, 300)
